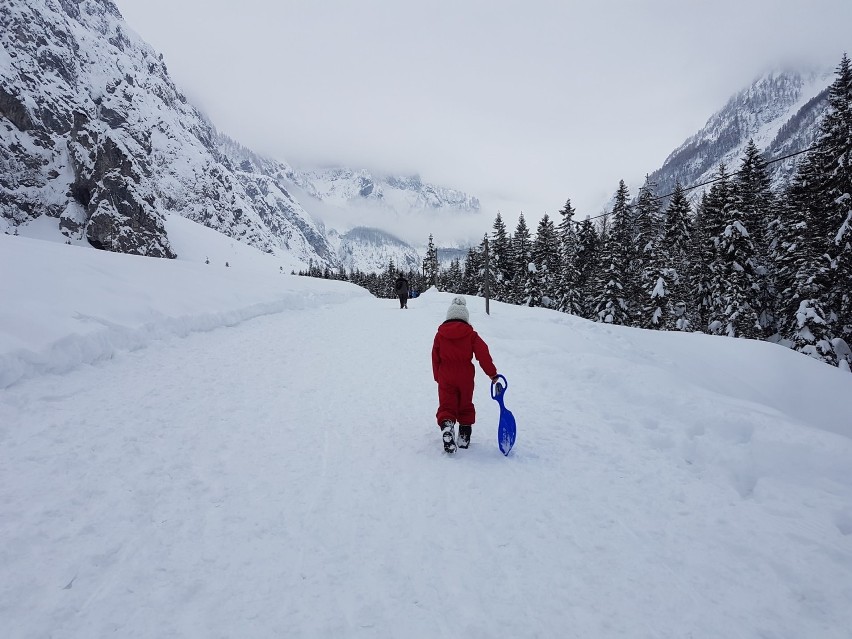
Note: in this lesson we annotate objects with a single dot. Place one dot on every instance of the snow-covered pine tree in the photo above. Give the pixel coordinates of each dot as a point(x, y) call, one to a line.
point(842, 289)
point(781, 241)
point(647, 217)
point(430, 263)
point(588, 265)
point(543, 283)
point(753, 196)
point(700, 274)
point(674, 258)
point(740, 291)
point(472, 276)
point(735, 292)
point(570, 296)
point(480, 289)
point(655, 285)
point(754, 199)
point(522, 248)
point(611, 303)
point(452, 279)
point(391, 273)
point(795, 209)
point(834, 154)
point(813, 247)
point(648, 289)
point(500, 255)
point(803, 268)
point(712, 222)
point(808, 323)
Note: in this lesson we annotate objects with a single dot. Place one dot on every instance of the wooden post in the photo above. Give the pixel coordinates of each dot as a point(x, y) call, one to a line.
point(485, 287)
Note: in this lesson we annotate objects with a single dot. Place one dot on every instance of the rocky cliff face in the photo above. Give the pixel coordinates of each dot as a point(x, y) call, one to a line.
point(780, 111)
point(94, 133)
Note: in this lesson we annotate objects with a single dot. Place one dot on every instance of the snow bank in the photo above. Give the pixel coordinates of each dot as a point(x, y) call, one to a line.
point(92, 304)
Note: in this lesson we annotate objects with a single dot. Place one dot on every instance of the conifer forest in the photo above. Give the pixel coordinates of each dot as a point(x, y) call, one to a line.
point(741, 259)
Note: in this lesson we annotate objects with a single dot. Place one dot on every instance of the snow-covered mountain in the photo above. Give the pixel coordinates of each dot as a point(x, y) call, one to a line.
point(342, 186)
point(95, 134)
point(365, 212)
point(781, 111)
point(371, 250)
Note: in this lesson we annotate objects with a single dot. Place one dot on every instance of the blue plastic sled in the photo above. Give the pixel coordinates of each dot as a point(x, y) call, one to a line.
point(506, 429)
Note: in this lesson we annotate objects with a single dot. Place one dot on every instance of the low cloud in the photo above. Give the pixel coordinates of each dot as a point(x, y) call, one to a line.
point(521, 105)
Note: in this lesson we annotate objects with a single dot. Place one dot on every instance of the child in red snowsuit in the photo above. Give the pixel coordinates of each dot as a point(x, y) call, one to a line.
point(455, 345)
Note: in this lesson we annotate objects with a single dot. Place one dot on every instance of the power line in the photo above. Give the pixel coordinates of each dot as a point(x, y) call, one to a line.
point(697, 186)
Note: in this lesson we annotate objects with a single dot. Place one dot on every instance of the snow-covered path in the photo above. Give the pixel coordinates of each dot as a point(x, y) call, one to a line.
point(284, 477)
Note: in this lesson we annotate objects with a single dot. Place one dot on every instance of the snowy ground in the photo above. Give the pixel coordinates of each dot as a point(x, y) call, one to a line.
point(193, 451)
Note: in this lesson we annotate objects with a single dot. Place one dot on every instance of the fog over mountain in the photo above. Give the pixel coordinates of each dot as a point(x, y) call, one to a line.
point(780, 111)
point(95, 134)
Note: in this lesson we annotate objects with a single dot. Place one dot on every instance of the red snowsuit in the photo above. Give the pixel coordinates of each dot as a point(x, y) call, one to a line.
point(452, 367)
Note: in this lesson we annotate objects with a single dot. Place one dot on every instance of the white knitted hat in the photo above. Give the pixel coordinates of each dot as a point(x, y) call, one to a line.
point(458, 310)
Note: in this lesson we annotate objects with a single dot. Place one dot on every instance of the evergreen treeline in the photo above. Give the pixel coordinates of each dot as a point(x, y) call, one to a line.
point(383, 284)
point(379, 284)
point(745, 261)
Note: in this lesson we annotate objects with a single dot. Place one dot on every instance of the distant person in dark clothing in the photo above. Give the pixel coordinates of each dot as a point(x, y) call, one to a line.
point(402, 290)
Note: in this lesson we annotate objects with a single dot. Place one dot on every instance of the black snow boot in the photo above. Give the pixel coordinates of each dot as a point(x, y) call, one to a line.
point(465, 431)
point(448, 435)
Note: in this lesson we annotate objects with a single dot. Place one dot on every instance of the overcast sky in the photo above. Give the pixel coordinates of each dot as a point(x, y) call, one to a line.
point(522, 104)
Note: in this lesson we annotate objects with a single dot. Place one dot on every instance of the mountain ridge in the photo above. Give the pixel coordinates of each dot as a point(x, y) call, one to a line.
point(780, 111)
point(95, 134)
